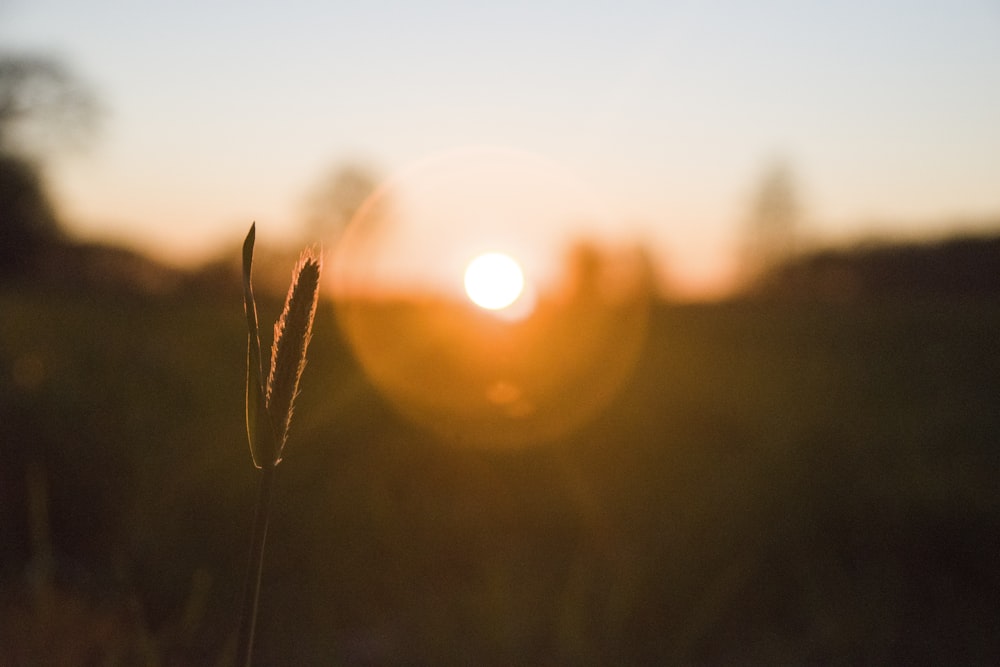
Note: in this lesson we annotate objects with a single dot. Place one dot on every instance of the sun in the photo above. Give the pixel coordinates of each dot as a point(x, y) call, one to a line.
point(494, 280)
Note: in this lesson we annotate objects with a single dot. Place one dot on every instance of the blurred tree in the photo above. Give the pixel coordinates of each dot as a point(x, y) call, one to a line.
point(336, 199)
point(42, 107)
point(584, 264)
point(612, 275)
point(773, 222)
point(27, 219)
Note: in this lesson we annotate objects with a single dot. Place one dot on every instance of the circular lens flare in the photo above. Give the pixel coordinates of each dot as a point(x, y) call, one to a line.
point(494, 281)
point(494, 375)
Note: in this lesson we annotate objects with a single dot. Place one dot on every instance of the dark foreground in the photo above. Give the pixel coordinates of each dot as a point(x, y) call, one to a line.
point(774, 484)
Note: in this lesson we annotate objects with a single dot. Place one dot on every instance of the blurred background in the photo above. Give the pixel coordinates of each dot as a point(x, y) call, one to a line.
point(742, 409)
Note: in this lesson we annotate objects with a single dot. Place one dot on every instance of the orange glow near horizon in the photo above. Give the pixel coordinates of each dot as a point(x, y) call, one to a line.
point(521, 351)
point(418, 231)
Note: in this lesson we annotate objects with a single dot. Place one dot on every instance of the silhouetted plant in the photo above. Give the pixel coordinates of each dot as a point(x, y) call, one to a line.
point(269, 408)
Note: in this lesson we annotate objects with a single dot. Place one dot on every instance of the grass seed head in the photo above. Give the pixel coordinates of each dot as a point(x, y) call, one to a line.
point(291, 339)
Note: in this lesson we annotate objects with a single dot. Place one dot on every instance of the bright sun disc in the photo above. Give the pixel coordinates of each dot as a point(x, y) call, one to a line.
point(493, 281)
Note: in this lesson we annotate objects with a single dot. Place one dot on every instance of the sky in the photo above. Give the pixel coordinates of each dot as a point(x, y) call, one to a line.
point(668, 112)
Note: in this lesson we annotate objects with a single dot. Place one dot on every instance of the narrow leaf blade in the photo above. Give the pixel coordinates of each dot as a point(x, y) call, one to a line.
point(259, 432)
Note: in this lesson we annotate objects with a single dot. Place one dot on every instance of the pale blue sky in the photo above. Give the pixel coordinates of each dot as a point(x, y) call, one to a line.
point(224, 112)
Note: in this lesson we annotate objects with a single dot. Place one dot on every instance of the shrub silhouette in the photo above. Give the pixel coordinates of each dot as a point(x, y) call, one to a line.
point(27, 219)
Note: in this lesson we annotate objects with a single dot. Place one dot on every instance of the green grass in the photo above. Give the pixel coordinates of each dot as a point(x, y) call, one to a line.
point(774, 484)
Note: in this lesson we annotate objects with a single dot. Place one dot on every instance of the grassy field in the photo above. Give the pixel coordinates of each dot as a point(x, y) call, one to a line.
point(774, 484)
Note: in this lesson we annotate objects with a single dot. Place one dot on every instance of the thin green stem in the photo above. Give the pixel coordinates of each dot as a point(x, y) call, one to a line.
point(255, 566)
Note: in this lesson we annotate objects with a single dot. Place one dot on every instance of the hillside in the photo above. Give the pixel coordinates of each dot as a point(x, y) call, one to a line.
point(959, 267)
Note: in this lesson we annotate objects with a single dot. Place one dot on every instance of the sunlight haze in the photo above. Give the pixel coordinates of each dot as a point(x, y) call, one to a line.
point(221, 113)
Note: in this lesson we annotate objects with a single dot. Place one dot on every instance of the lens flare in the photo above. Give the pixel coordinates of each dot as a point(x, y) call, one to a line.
point(553, 335)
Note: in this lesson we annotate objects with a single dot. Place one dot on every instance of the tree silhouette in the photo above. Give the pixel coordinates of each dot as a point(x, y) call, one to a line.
point(337, 198)
point(42, 107)
point(773, 222)
point(27, 220)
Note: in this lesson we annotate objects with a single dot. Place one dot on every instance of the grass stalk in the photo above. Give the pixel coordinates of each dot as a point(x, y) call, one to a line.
point(269, 409)
point(255, 567)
